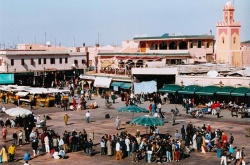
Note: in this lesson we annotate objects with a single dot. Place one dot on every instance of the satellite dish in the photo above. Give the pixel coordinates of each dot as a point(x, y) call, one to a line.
point(73, 65)
point(212, 73)
point(48, 43)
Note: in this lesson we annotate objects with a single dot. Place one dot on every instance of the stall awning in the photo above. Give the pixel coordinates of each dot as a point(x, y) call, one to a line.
point(190, 89)
point(241, 91)
point(102, 82)
point(170, 88)
point(22, 94)
point(126, 86)
point(6, 78)
point(208, 90)
point(226, 90)
point(116, 84)
point(248, 94)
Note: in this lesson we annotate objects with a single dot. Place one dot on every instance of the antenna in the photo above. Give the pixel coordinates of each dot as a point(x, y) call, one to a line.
point(45, 38)
point(35, 39)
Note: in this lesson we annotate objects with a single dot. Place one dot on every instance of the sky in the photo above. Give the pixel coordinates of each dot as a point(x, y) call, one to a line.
point(109, 22)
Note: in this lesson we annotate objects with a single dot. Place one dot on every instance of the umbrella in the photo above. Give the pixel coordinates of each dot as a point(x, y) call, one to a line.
point(147, 120)
point(18, 111)
point(134, 109)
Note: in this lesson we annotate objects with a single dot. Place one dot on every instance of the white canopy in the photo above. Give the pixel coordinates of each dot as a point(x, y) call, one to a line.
point(102, 82)
point(22, 93)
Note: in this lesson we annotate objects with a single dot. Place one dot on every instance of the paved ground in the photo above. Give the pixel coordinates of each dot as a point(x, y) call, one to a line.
point(102, 126)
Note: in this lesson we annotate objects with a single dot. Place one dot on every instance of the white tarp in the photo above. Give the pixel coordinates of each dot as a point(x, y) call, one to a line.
point(22, 94)
point(145, 87)
point(102, 82)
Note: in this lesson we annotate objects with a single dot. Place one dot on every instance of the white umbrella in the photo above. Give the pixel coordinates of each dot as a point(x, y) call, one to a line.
point(18, 112)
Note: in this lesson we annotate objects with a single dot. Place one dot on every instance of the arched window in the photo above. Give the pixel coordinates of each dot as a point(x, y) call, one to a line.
point(172, 46)
point(208, 44)
point(183, 45)
point(163, 46)
point(153, 46)
point(143, 45)
point(200, 44)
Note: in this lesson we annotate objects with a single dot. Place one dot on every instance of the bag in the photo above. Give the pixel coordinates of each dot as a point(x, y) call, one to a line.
point(107, 116)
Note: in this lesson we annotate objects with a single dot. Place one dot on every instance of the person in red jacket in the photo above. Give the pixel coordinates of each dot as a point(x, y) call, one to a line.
point(224, 137)
point(213, 107)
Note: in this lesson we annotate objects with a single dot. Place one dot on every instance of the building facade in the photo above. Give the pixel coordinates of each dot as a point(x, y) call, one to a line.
point(43, 64)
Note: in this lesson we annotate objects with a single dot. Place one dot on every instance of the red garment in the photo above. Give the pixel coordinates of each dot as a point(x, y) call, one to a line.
point(208, 128)
point(176, 155)
point(218, 104)
point(224, 138)
point(213, 106)
point(192, 100)
point(74, 103)
point(150, 107)
point(4, 132)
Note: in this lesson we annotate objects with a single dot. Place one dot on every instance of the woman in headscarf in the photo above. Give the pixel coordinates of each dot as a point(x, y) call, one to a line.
point(4, 154)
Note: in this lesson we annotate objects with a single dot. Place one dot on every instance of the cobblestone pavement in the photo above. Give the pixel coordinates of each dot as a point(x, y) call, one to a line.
point(102, 126)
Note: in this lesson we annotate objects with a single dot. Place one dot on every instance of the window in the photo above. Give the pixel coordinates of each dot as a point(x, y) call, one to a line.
point(223, 40)
point(66, 60)
point(52, 61)
point(76, 62)
point(60, 60)
point(39, 61)
point(200, 44)
point(31, 61)
point(153, 46)
point(44, 61)
point(12, 62)
point(0, 62)
point(83, 62)
point(234, 40)
point(22, 61)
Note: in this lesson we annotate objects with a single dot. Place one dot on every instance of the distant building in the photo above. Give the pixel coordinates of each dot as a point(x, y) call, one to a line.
point(34, 64)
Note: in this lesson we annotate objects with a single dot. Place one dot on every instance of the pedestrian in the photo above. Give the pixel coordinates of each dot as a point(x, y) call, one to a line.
point(14, 136)
point(66, 118)
point(4, 133)
point(231, 139)
point(223, 157)
point(113, 97)
point(118, 154)
point(34, 145)
point(87, 117)
point(173, 118)
point(46, 142)
point(32, 101)
point(117, 123)
point(4, 154)
point(65, 104)
point(74, 104)
point(11, 151)
point(20, 137)
point(183, 133)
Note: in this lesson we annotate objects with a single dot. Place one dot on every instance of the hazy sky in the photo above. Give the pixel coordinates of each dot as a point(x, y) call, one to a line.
point(80, 21)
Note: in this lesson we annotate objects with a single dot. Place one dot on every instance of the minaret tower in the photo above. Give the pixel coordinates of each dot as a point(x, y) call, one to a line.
point(228, 38)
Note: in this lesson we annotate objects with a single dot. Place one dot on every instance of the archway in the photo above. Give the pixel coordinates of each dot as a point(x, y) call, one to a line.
point(172, 46)
point(183, 45)
point(153, 46)
point(163, 46)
